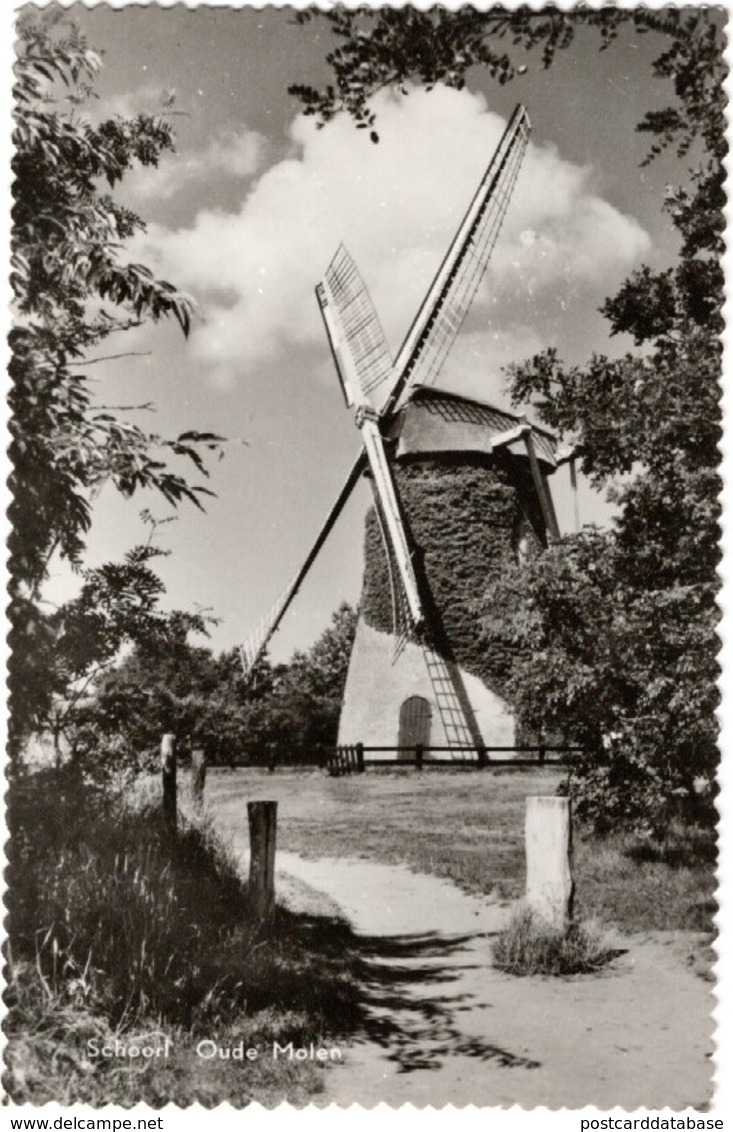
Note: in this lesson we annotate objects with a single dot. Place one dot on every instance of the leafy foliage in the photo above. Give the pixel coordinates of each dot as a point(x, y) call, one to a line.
point(72, 291)
point(627, 675)
point(467, 520)
point(118, 605)
point(616, 631)
point(166, 684)
point(380, 47)
point(300, 716)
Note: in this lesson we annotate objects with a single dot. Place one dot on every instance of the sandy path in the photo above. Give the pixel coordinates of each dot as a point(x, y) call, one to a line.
point(457, 1031)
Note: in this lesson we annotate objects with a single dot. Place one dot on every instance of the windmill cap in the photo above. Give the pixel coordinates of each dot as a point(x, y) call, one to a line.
point(433, 421)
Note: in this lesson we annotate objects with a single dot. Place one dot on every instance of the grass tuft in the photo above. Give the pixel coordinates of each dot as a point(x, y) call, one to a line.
point(530, 947)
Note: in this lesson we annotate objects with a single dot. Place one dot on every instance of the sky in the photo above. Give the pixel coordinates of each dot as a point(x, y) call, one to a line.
point(246, 216)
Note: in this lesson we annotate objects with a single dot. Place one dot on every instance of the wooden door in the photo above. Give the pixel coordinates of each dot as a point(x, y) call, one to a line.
point(414, 724)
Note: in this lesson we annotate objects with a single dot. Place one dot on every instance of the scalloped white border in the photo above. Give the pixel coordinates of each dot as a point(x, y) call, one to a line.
point(333, 1118)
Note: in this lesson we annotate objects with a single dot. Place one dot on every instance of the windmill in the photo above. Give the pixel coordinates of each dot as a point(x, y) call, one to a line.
point(406, 683)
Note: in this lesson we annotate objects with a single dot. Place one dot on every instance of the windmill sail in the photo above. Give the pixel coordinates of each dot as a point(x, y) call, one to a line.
point(543, 492)
point(455, 714)
point(434, 330)
point(253, 648)
point(387, 497)
point(256, 643)
point(368, 377)
point(359, 347)
point(403, 628)
point(364, 365)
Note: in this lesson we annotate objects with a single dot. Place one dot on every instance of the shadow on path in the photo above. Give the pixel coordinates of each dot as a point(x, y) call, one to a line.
point(394, 991)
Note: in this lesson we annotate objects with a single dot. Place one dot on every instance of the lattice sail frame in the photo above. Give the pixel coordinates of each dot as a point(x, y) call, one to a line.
point(436, 325)
point(361, 353)
point(255, 644)
point(403, 627)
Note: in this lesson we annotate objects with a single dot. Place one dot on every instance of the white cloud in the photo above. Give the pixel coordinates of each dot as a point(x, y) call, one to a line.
point(396, 206)
point(477, 362)
point(233, 154)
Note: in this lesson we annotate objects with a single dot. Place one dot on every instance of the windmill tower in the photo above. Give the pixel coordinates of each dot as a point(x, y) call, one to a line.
point(457, 485)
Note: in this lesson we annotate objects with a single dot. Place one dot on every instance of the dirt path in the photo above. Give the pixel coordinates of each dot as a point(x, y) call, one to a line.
point(447, 1028)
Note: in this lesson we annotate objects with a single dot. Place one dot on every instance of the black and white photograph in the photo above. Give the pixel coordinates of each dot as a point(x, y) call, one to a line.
point(364, 542)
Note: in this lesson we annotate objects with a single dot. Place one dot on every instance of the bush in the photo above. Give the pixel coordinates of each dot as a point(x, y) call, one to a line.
point(530, 947)
point(627, 787)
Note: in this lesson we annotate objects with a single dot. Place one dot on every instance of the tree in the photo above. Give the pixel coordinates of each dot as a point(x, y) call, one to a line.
point(623, 623)
point(167, 684)
point(627, 675)
point(292, 709)
point(305, 703)
point(119, 604)
point(612, 633)
point(72, 292)
point(392, 47)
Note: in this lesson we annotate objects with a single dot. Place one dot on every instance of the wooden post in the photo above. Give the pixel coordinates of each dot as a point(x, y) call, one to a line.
point(168, 766)
point(418, 756)
point(262, 839)
point(198, 777)
point(360, 757)
point(272, 757)
point(542, 753)
point(549, 860)
point(483, 758)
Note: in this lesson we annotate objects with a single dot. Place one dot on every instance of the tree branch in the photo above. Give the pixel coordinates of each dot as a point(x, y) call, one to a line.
point(113, 357)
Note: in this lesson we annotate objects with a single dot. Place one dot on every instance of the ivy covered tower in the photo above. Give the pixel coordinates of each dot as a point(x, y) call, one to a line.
point(473, 495)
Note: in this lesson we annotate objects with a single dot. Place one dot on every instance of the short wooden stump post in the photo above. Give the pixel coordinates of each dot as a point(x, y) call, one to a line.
point(168, 767)
point(262, 841)
point(198, 777)
point(548, 837)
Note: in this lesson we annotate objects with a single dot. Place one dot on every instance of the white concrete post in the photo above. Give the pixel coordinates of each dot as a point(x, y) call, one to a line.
point(169, 761)
point(548, 837)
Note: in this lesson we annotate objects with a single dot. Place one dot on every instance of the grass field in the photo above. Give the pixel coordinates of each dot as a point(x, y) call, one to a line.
point(469, 827)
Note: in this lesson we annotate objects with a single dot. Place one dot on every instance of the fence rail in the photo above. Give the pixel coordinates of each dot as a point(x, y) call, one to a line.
point(350, 759)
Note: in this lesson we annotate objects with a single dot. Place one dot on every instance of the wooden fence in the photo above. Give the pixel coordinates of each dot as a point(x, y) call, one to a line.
point(351, 759)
